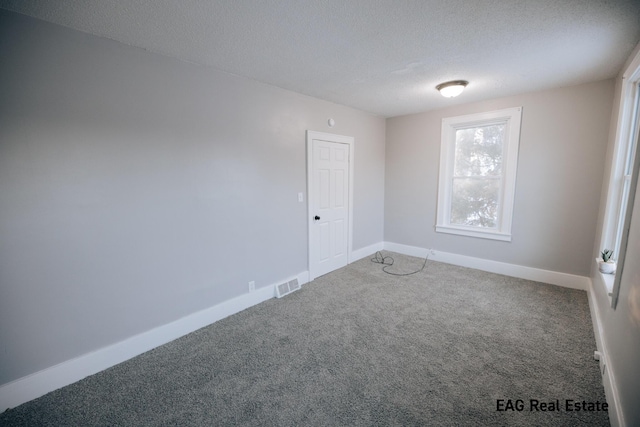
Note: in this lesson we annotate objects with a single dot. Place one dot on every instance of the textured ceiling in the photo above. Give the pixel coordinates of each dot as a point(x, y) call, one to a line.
point(381, 56)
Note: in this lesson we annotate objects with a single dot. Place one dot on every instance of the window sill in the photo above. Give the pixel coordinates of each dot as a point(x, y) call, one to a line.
point(465, 231)
point(607, 280)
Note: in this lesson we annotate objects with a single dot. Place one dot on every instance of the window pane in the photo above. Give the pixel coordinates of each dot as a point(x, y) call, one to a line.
point(478, 151)
point(621, 214)
point(474, 202)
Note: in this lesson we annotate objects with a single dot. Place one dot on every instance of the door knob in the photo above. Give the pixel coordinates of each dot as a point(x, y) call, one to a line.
point(316, 217)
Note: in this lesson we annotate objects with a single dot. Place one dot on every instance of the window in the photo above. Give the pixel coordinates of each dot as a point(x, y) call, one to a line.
point(624, 176)
point(624, 183)
point(478, 160)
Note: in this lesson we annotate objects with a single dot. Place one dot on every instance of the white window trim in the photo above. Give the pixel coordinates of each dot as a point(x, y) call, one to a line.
point(512, 118)
point(624, 129)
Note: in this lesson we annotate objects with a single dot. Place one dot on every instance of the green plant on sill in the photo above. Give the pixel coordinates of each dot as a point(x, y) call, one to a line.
point(606, 255)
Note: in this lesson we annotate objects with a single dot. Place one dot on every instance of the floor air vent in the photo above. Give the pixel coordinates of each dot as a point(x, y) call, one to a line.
point(287, 287)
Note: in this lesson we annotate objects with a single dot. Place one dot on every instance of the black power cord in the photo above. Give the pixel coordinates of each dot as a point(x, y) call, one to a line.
point(387, 261)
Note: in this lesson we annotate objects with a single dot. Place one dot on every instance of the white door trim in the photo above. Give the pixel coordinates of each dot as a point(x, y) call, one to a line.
point(349, 140)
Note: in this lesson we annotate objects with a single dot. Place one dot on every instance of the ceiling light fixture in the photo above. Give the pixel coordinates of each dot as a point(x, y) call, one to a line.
point(452, 88)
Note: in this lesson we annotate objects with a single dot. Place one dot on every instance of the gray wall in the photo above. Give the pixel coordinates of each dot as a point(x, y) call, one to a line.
point(621, 327)
point(560, 168)
point(136, 189)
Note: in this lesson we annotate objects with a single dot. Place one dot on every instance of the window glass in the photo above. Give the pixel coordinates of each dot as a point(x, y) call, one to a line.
point(479, 151)
point(474, 202)
point(477, 176)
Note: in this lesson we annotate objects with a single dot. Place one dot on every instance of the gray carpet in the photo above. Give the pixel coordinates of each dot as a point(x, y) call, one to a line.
point(358, 347)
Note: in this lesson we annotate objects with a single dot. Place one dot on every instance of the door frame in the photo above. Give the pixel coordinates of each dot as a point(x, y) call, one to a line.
point(329, 137)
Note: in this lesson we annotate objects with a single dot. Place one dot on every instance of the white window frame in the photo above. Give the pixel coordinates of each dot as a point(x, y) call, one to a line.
point(511, 117)
point(622, 180)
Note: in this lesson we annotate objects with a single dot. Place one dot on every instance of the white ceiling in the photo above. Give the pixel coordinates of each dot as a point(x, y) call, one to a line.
point(381, 56)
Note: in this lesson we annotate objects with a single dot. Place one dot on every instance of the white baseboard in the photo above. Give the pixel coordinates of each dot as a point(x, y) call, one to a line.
point(35, 385)
point(616, 417)
point(358, 254)
point(406, 249)
point(303, 278)
point(520, 271)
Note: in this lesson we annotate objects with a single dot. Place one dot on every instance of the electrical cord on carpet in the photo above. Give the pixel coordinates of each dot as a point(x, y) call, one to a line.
point(387, 261)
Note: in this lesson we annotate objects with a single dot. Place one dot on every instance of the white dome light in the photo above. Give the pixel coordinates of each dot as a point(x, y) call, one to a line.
point(452, 88)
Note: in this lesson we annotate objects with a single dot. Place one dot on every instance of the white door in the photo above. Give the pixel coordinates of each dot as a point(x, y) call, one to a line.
point(329, 204)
